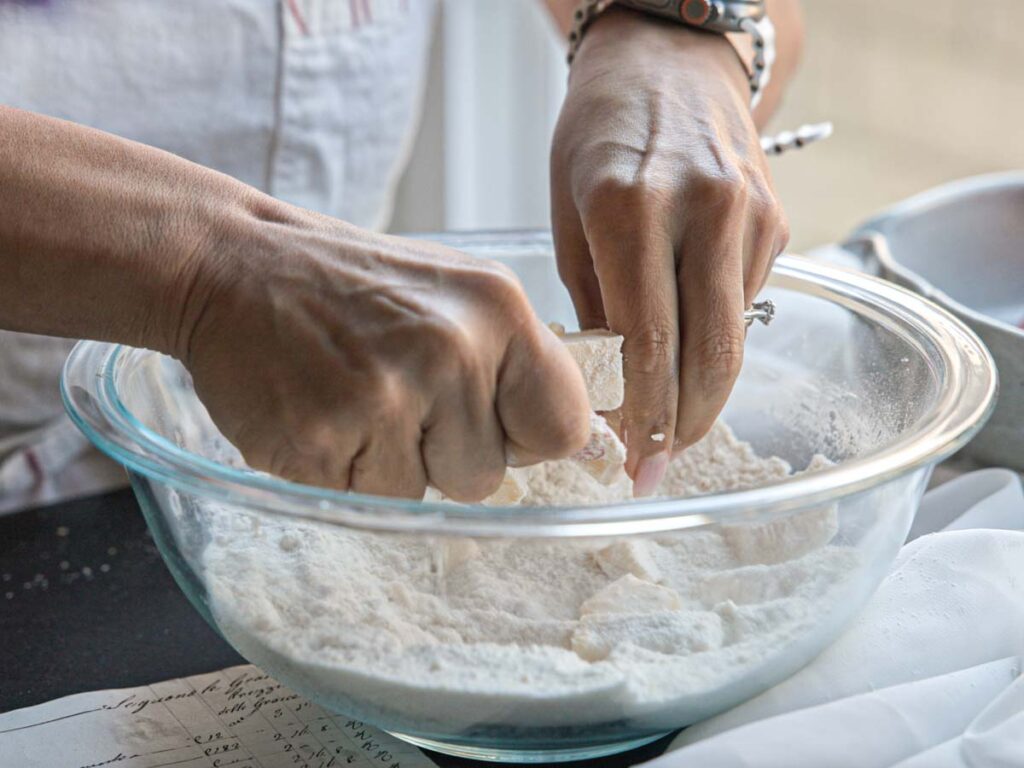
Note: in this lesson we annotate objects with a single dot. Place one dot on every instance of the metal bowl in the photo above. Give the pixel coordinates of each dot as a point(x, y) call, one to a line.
point(962, 246)
point(882, 382)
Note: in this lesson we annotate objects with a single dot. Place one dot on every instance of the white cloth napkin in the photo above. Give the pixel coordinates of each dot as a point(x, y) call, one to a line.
point(929, 676)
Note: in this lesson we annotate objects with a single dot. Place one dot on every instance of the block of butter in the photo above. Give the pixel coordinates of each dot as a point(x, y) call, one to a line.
point(599, 356)
point(604, 454)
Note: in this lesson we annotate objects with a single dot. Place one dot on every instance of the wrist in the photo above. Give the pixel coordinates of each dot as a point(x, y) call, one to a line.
point(653, 45)
point(211, 261)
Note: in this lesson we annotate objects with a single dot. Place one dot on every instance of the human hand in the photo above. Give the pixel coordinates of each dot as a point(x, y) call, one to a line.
point(333, 356)
point(665, 220)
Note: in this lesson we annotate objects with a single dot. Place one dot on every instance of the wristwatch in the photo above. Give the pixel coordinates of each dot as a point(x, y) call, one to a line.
point(715, 15)
point(725, 17)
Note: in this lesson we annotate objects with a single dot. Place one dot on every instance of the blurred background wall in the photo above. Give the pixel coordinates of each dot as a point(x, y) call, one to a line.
point(920, 91)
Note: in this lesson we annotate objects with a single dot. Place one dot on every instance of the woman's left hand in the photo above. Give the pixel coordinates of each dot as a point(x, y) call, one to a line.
point(665, 220)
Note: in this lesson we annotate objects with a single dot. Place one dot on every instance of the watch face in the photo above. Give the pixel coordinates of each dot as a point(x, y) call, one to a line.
point(695, 12)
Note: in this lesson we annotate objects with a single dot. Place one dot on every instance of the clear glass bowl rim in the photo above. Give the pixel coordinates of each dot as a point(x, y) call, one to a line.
point(960, 411)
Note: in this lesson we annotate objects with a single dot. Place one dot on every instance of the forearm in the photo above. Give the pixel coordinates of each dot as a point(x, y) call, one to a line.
point(99, 236)
point(789, 34)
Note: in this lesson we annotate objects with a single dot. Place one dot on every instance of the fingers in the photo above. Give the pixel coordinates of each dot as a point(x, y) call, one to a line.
point(390, 464)
point(575, 266)
point(636, 268)
point(315, 455)
point(371, 446)
point(459, 449)
point(780, 242)
point(542, 399)
point(767, 235)
point(538, 411)
point(463, 446)
point(722, 268)
point(711, 291)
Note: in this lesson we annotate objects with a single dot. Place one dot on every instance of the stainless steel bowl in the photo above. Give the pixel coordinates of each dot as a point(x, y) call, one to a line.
point(962, 246)
point(881, 381)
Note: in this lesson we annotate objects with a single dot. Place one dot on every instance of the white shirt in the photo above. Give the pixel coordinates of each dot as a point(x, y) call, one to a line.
point(313, 101)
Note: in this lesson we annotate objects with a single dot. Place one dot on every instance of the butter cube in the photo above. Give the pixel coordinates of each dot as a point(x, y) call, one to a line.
point(599, 356)
point(630, 556)
point(631, 595)
point(604, 454)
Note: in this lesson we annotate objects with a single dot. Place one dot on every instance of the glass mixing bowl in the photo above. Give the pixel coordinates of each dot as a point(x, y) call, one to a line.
point(880, 381)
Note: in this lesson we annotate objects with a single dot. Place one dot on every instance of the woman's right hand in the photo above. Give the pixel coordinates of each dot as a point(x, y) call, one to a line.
point(338, 357)
point(325, 353)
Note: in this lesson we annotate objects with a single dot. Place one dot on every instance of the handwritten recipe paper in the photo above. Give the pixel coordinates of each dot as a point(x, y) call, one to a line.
point(237, 717)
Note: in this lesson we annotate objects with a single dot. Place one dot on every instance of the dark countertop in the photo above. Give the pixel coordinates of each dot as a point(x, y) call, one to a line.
point(86, 603)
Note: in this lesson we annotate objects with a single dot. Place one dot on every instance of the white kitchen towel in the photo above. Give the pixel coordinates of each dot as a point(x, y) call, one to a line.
point(995, 739)
point(928, 675)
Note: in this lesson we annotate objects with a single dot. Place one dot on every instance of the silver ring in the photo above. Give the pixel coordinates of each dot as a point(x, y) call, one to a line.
point(762, 311)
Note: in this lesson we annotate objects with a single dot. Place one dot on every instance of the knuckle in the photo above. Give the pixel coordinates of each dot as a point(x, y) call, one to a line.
point(316, 456)
point(608, 189)
point(440, 333)
point(719, 357)
point(499, 286)
point(445, 348)
point(615, 197)
point(651, 349)
point(503, 271)
point(289, 463)
point(380, 402)
point(311, 437)
point(389, 396)
point(728, 187)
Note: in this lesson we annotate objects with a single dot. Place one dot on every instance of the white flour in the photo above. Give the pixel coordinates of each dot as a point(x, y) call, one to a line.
point(534, 633)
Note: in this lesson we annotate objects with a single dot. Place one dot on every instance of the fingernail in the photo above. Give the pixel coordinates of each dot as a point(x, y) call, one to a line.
point(649, 474)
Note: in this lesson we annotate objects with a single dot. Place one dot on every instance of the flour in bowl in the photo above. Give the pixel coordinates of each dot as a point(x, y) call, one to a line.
point(534, 633)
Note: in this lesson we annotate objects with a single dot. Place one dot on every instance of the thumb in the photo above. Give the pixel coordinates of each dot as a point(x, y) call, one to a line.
point(542, 398)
